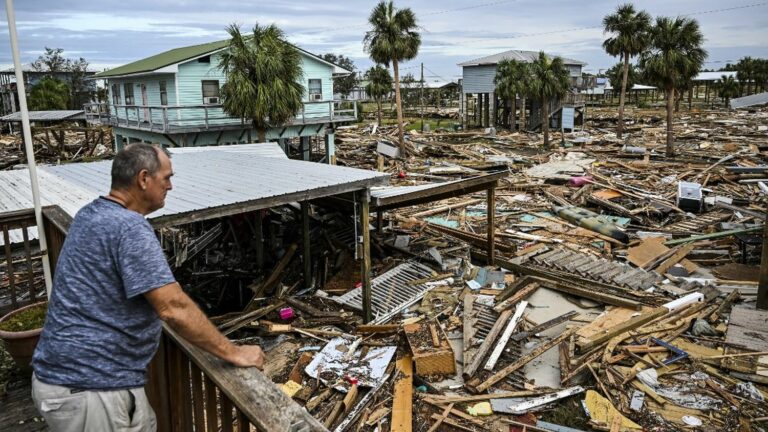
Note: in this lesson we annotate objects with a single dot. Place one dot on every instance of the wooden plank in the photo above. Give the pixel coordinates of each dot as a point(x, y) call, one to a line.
point(468, 326)
point(522, 361)
point(197, 397)
point(402, 396)
point(588, 343)
point(443, 416)
point(211, 406)
point(488, 342)
point(226, 414)
point(675, 258)
point(748, 328)
point(491, 223)
point(608, 320)
point(496, 353)
point(516, 297)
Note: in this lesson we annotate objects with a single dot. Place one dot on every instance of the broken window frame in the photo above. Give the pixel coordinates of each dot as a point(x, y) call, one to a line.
point(116, 94)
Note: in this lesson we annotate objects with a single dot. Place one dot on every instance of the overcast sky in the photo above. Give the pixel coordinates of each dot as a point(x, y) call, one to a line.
point(110, 33)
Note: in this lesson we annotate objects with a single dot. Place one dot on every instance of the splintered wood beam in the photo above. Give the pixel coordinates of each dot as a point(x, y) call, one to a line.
point(633, 323)
point(522, 361)
point(477, 360)
point(366, 262)
point(676, 257)
point(516, 297)
point(469, 330)
point(491, 216)
point(494, 357)
point(402, 396)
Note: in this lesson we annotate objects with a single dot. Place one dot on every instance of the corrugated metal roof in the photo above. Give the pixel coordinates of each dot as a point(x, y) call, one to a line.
point(203, 181)
point(525, 56)
point(714, 76)
point(267, 149)
point(47, 115)
point(401, 196)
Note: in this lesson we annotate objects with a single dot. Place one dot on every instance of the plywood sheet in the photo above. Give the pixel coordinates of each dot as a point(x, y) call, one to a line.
point(647, 251)
point(748, 328)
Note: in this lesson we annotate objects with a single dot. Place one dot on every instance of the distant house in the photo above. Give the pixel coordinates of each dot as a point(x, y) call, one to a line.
point(172, 98)
point(480, 105)
point(9, 98)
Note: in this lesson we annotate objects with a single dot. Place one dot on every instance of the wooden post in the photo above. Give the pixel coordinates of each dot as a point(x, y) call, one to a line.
point(305, 235)
point(762, 290)
point(491, 219)
point(366, 265)
point(259, 239)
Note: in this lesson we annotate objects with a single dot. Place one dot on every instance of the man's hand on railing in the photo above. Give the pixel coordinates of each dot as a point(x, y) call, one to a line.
point(248, 356)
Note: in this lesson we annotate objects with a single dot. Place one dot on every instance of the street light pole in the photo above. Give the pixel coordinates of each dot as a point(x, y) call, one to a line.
point(27, 134)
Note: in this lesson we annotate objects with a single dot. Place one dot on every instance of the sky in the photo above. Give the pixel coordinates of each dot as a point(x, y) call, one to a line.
point(111, 33)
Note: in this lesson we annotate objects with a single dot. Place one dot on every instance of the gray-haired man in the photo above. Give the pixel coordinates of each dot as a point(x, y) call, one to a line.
point(111, 289)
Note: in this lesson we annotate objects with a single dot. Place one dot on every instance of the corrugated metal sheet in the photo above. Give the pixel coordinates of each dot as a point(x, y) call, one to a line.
point(526, 56)
point(751, 100)
point(202, 180)
point(268, 149)
point(46, 116)
point(479, 79)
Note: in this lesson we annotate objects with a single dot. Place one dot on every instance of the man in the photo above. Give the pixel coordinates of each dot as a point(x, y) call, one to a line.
point(111, 289)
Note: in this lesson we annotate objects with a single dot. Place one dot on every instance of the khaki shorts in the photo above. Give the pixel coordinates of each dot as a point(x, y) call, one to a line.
point(67, 410)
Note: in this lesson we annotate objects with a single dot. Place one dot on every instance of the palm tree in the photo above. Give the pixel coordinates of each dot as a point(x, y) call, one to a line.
point(393, 39)
point(675, 57)
point(629, 30)
point(548, 80)
point(263, 78)
point(727, 87)
point(511, 80)
point(49, 94)
point(745, 71)
point(379, 86)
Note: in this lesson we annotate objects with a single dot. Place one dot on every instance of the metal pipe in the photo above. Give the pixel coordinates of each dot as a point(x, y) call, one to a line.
point(27, 134)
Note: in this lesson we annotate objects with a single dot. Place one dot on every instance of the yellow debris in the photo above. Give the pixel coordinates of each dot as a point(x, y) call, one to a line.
point(290, 388)
point(601, 410)
point(480, 409)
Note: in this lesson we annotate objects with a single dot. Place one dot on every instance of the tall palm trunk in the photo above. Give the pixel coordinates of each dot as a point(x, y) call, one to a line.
point(378, 111)
point(522, 113)
point(545, 121)
point(262, 134)
point(399, 107)
point(670, 109)
point(625, 73)
point(513, 114)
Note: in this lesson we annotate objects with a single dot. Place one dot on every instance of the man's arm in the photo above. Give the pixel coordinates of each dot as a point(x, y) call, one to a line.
point(185, 317)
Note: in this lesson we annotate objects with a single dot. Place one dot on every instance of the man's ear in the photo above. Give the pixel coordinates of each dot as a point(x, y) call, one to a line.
point(142, 179)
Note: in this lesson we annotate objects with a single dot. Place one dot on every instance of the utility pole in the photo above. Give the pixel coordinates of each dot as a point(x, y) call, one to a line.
point(762, 288)
point(421, 97)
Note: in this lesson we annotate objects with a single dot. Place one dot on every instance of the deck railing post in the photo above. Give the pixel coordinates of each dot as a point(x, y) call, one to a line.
point(165, 119)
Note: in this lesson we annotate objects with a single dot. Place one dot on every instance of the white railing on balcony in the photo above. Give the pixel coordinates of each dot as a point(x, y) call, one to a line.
point(168, 119)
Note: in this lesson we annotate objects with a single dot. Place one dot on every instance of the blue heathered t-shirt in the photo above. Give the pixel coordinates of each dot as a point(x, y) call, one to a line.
point(100, 332)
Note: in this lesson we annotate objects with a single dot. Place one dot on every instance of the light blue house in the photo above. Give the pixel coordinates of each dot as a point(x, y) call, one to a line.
point(172, 98)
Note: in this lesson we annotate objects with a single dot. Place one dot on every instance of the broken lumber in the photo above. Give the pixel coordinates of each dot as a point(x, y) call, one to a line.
point(504, 339)
point(402, 397)
point(522, 361)
point(633, 323)
point(488, 342)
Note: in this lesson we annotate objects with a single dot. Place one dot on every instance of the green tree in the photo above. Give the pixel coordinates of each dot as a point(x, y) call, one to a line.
point(629, 31)
point(379, 86)
point(511, 80)
point(52, 61)
point(263, 74)
point(343, 84)
point(49, 94)
point(745, 72)
point(616, 74)
point(761, 74)
point(80, 88)
point(549, 80)
point(393, 39)
point(675, 57)
point(727, 87)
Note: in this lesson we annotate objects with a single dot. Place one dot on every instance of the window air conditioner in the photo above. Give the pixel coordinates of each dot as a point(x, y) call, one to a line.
point(317, 97)
point(210, 100)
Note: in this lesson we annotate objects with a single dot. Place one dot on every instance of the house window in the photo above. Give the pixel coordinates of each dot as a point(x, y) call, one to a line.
point(163, 93)
point(116, 94)
point(204, 59)
point(210, 92)
point(129, 100)
point(315, 88)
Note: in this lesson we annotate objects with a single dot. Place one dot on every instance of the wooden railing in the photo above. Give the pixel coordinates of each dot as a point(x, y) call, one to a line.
point(168, 119)
point(21, 269)
point(193, 390)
